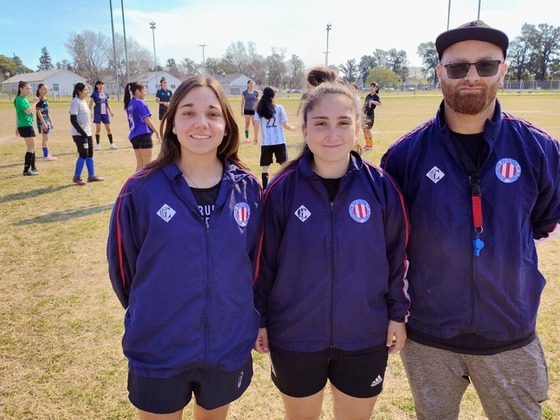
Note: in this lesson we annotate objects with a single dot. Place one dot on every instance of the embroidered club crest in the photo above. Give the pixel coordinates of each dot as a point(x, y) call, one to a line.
point(166, 213)
point(359, 210)
point(302, 213)
point(508, 170)
point(241, 214)
point(435, 174)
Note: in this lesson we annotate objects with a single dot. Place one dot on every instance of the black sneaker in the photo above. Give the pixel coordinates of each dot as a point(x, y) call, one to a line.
point(95, 179)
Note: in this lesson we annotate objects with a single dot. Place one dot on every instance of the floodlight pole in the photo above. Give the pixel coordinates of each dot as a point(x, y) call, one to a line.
point(448, 13)
point(125, 49)
point(117, 82)
point(478, 16)
point(203, 56)
point(329, 26)
point(153, 28)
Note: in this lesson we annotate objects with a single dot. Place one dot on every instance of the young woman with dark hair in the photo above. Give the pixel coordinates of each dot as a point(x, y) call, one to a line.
point(140, 123)
point(271, 118)
point(80, 118)
point(100, 103)
point(332, 288)
point(24, 113)
point(182, 250)
point(44, 121)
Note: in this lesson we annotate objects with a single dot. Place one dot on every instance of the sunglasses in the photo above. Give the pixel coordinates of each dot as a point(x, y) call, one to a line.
point(484, 69)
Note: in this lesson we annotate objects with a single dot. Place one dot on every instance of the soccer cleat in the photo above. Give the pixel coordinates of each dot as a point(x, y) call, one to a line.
point(95, 179)
point(49, 158)
point(98, 147)
point(113, 146)
point(368, 148)
point(79, 181)
point(30, 172)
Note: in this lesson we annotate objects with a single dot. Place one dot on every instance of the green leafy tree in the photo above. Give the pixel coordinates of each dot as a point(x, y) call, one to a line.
point(8, 67)
point(351, 70)
point(367, 62)
point(519, 58)
point(384, 76)
point(276, 67)
point(545, 42)
point(20, 67)
point(296, 72)
point(428, 53)
point(398, 62)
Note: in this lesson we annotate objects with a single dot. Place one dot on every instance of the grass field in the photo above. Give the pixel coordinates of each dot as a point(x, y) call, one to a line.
point(61, 325)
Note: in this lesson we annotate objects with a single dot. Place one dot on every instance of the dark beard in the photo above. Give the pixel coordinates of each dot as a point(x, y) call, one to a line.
point(471, 103)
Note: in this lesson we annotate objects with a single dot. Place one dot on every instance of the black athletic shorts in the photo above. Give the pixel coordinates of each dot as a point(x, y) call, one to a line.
point(279, 151)
point(143, 141)
point(212, 388)
point(26, 132)
point(248, 112)
point(369, 121)
point(359, 374)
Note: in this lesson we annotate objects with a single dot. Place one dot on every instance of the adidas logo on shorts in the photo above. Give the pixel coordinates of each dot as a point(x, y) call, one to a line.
point(376, 381)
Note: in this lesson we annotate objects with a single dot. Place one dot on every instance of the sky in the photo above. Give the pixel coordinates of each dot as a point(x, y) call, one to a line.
point(358, 27)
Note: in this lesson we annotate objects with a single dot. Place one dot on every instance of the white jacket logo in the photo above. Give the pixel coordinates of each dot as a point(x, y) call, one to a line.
point(166, 213)
point(435, 174)
point(302, 213)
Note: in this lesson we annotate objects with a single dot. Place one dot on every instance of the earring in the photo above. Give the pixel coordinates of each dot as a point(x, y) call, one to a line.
point(174, 131)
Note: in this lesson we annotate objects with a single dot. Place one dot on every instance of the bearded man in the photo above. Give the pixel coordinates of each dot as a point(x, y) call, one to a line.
point(482, 186)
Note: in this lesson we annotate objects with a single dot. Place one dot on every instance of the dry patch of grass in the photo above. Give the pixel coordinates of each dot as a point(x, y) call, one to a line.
point(60, 353)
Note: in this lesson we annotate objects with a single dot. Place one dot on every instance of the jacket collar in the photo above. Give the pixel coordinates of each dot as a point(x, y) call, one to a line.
point(491, 127)
point(306, 164)
point(232, 173)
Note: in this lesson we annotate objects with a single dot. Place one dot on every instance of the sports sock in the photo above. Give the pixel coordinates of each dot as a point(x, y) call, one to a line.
point(246, 134)
point(45, 151)
point(27, 161)
point(264, 179)
point(33, 166)
point(110, 138)
point(80, 162)
point(97, 138)
point(90, 167)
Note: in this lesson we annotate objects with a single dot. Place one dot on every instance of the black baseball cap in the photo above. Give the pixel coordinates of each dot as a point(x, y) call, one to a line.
point(476, 30)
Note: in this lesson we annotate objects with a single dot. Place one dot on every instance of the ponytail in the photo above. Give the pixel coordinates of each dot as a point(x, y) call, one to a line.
point(129, 90)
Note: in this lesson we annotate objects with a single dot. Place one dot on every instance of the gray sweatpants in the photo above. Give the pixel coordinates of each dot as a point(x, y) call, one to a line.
point(510, 385)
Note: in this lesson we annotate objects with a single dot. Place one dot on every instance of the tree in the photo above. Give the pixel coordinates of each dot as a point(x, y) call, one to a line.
point(217, 67)
point(428, 53)
point(45, 62)
point(519, 57)
point(172, 68)
point(237, 54)
point(93, 57)
point(8, 67)
point(380, 58)
point(89, 52)
point(384, 76)
point(545, 43)
point(398, 62)
point(367, 62)
point(296, 72)
point(188, 67)
point(276, 67)
point(20, 67)
point(64, 64)
point(351, 70)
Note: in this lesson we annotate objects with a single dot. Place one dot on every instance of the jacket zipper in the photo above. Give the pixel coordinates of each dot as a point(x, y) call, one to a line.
point(331, 344)
point(208, 293)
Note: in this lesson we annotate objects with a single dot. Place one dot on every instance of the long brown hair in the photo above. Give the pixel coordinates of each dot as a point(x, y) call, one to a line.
point(170, 151)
